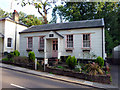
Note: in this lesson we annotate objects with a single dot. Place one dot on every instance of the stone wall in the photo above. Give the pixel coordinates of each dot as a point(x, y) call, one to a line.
point(97, 78)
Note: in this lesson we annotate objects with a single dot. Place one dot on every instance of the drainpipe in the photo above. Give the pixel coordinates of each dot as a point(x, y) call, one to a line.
point(102, 45)
point(102, 37)
point(15, 34)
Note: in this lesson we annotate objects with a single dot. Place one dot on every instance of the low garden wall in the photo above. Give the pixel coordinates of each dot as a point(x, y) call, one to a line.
point(29, 66)
point(97, 78)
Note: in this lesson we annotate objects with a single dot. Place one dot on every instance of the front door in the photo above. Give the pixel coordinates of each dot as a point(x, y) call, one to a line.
point(55, 48)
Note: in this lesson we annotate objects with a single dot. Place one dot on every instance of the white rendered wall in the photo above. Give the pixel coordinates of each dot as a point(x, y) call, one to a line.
point(9, 32)
point(2, 28)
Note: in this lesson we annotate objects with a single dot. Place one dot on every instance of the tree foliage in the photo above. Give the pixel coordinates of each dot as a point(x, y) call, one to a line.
point(24, 18)
point(3, 13)
point(30, 19)
point(42, 6)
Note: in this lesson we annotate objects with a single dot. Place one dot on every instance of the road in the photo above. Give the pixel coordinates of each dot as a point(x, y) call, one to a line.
point(15, 79)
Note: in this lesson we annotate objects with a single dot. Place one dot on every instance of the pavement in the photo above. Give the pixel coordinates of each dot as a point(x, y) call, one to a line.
point(61, 78)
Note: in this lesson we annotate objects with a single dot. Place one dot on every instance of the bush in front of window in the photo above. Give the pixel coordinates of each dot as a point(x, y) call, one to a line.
point(16, 53)
point(71, 62)
point(100, 61)
point(10, 56)
point(31, 56)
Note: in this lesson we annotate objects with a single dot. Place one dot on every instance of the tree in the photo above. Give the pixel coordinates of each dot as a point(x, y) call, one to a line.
point(42, 6)
point(94, 10)
point(31, 20)
point(22, 17)
point(72, 11)
point(118, 25)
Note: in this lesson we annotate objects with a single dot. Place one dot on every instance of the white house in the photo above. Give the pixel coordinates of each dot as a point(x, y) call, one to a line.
point(9, 33)
point(77, 38)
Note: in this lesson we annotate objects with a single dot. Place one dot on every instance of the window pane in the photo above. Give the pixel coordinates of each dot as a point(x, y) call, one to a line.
point(56, 46)
point(86, 40)
point(53, 46)
point(41, 42)
point(9, 42)
point(69, 41)
point(29, 42)
point(84, 37)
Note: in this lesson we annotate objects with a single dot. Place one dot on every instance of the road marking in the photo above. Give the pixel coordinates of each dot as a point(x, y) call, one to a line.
point(18, 86)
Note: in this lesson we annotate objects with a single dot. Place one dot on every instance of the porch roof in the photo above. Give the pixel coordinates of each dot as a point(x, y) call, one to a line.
point(1, 35)
point(66, 26)
point(59, 34)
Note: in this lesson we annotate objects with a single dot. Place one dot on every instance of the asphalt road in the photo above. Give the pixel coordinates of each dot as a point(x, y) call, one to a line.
point(15, 79)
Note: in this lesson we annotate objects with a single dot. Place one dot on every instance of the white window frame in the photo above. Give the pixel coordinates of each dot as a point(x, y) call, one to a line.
point(69, 41)
point(87, 41)
point(11, 42)
point(28, 43)
point(41, 44)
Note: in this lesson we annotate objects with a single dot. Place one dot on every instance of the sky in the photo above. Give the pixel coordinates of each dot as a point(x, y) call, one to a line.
point(28, 9)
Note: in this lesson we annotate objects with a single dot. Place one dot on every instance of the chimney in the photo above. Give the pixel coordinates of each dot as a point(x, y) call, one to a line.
point(15, 16)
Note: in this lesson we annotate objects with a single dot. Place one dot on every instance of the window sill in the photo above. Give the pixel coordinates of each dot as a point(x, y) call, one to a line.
point(41, 50)
point(69, 49)
point(28, 49)
point(86, 48)
point(10, 47)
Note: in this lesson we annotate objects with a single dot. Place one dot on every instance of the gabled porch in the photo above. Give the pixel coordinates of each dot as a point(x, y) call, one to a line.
point(52, 45)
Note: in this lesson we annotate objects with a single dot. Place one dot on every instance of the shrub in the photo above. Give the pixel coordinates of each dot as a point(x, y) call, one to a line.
point(100, 61)
point(16, 53)
point(5, 59)
point(110, 78)
point(10, 55)
point(93, 69)
point(68, 60)
point(78, 68)
point(31, 56)
point(60, 67)
point(71, 62)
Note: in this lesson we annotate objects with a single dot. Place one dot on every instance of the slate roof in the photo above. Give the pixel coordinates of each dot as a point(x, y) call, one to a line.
point(1, 19)
point(66, 26)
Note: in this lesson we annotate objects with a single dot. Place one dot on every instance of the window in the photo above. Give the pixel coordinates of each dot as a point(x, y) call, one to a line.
point(51, 35)
point(55, 45)
point(30, 42)
point(86, 40)
point(69, 41)
point(41, 43)
point(9, 42)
